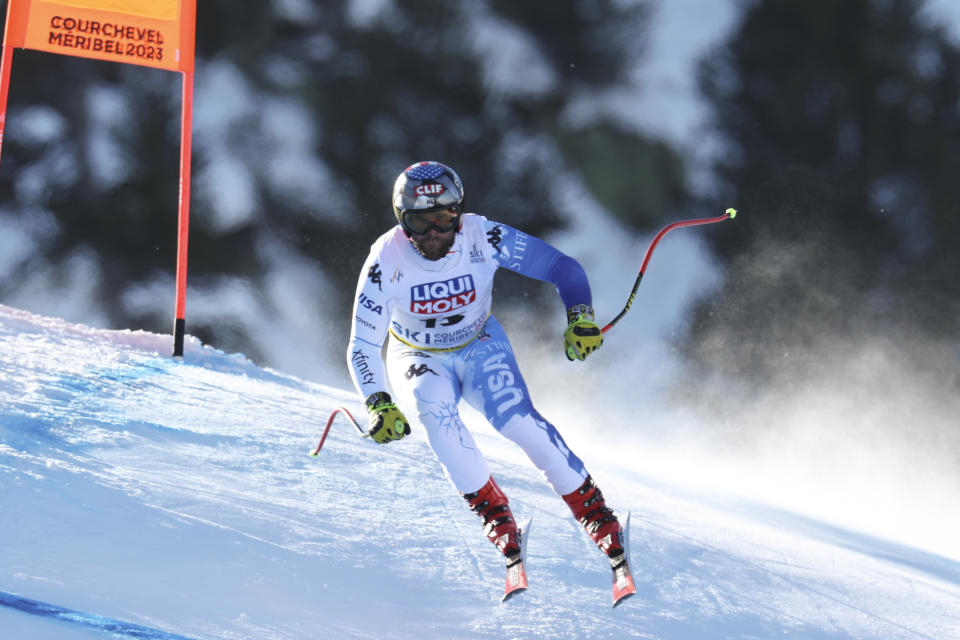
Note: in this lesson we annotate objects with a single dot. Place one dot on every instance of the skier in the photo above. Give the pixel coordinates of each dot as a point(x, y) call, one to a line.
point(428, 283)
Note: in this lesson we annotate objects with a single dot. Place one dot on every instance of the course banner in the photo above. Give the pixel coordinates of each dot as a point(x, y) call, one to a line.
point(152, 33)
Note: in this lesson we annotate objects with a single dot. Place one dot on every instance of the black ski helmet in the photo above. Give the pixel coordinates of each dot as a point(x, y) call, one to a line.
point(426, 186)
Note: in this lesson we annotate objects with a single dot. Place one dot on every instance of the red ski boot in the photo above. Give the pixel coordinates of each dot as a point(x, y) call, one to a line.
point(492, 506)
point(597, 518)
point(604, 529)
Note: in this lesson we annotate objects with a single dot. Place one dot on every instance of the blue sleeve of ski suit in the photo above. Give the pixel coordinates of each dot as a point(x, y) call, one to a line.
point(517, 251)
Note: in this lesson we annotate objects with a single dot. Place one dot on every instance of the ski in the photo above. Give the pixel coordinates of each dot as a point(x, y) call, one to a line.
point(623, 586)
point(517, 572)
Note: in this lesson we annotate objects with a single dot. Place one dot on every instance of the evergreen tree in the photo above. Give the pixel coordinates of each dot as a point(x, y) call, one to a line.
point(842, 136)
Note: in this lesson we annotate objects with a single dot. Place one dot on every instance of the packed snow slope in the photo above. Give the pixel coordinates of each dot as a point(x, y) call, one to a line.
point(149, 497)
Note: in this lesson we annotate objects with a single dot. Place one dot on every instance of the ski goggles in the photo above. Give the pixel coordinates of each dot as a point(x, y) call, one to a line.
point(419, 222)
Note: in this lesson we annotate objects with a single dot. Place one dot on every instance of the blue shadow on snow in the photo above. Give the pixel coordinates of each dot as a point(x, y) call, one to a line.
point(114, 627)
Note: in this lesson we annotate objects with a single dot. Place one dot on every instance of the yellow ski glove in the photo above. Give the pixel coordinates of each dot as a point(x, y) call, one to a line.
point(386, 421)
point(583, 335)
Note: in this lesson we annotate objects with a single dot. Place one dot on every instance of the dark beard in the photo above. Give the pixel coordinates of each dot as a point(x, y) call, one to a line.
point(433, 247)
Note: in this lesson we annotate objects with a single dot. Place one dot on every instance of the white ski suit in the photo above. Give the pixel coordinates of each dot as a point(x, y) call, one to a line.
point(445, 345)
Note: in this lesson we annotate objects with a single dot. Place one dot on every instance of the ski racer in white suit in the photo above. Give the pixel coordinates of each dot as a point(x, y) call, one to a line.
point(428, 285)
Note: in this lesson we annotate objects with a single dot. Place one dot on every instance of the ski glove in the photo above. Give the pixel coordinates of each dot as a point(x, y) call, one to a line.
point(386, 421)
point(583, 335)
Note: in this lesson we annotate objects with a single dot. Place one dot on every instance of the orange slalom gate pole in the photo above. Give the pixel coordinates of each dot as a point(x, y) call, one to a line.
point(153, 33)
point(4, 89)
point(12, 37)
point(183, 224)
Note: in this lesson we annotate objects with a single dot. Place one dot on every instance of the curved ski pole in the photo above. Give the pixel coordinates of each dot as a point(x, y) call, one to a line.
point(326, 429)
point(728, 214)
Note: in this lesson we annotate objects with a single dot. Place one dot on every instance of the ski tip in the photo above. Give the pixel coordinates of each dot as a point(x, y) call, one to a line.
point(623, 584)
point(510, 594)
point(516, 580)
point(621, 599)
point(517, 573)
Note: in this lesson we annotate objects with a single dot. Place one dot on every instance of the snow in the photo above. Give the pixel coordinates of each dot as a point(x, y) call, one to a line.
point(179, 495)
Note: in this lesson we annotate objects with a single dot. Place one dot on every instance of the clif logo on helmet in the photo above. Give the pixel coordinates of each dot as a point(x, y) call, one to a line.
point(429, 189)
point(427, 186)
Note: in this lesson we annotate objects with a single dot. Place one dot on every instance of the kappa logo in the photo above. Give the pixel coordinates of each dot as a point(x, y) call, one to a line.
point(429, 189)
point(495, 238)
point(417, 371)
point(375, 275)
point(443, 296)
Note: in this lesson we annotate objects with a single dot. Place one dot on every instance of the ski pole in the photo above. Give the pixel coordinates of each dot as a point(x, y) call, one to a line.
point(326, 429)
point(728, 214)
